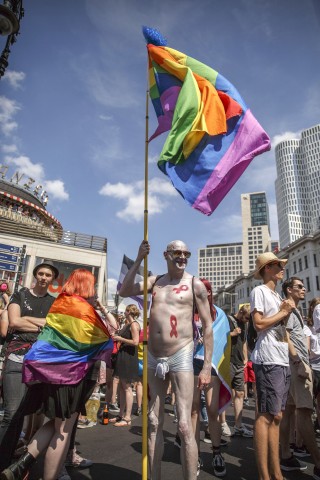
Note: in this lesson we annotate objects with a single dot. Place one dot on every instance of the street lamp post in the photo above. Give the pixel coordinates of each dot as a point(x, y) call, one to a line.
point(11, 13)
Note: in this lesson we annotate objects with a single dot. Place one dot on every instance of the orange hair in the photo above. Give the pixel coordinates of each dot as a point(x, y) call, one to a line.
point(81, 282)
point(213, 311)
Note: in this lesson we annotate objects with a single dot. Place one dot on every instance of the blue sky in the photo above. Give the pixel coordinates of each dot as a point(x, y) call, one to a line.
point(72, 108)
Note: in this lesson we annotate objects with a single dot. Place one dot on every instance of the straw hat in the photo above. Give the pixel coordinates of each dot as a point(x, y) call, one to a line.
point(264, 259)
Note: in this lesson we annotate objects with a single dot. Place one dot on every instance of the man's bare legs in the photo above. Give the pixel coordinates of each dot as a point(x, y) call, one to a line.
point(266, 441)
point(181, 382)
point(195, 412)
point(157, 392)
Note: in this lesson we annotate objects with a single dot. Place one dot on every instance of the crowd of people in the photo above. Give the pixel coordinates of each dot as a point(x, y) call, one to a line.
point(26, 212)
point(90, 346)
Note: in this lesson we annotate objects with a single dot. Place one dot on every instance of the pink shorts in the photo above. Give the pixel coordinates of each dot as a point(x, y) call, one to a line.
point(249, 375)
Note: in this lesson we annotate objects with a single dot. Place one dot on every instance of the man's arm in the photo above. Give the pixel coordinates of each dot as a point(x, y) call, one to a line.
point(262, 322)
point(129, 287)
point(296, 360)
point(23, 324)
point(203, 307)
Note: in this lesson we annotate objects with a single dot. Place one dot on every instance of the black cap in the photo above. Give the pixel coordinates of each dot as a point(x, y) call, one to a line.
point(48, 264)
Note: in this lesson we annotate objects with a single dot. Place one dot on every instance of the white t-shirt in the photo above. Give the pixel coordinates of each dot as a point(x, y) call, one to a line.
point(271, 347)
point(314, 356)
point(316, 318)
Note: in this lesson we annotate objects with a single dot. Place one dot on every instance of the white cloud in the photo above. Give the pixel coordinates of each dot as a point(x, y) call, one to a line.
point(111, 89)
point(34, 170)
point(105, 118)
point(56, 189)
point(14, 78)
point(112, 287)
point(9, 149)
point(8, 108)
point(133, 195)
point(285, 136)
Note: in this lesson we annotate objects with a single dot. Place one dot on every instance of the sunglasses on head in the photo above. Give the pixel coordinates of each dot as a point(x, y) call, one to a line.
point(179, 253)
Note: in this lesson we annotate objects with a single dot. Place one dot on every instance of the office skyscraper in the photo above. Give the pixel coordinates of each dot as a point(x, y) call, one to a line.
point(255, 228)
point(223, 263)
point(298, 186)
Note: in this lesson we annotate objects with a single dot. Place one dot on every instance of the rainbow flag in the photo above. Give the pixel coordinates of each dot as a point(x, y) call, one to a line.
point(221, 356)
point(73, 338)
point(213, 136)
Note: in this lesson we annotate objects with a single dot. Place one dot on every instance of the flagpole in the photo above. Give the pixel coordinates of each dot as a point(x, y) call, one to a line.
point(145, 308)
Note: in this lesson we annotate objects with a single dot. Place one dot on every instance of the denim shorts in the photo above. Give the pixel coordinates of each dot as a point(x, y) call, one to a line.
point(272, 383)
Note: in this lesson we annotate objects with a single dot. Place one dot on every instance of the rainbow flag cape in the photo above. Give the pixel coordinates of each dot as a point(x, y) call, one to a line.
point(213, 136)
point(73, 338)
point(220, 356)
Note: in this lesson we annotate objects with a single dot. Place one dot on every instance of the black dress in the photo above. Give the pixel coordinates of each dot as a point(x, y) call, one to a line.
point(127, 366)
point(60, 401)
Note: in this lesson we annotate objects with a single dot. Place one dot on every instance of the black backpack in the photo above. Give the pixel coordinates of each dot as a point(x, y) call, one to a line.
point(251, 335)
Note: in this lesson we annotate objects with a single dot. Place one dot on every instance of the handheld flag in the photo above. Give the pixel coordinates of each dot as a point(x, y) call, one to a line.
point(220, 356)
point(213, 136)
point(125, 267)
point(73, 338)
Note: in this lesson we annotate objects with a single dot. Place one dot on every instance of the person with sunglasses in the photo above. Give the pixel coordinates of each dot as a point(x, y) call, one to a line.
point(300, 399)
point(175, 295)
point(271, 362)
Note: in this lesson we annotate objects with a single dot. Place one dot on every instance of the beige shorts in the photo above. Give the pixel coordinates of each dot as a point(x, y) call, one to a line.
point(301, 389)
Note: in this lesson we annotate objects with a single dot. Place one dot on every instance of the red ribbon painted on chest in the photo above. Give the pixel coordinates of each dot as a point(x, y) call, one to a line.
point(173, 323)
point(182, 288)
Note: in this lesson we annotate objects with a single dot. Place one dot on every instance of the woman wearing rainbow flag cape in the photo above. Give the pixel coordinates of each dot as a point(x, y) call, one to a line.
point(58, 371)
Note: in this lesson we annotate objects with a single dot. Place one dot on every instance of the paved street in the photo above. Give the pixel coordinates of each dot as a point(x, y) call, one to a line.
point(116, 453)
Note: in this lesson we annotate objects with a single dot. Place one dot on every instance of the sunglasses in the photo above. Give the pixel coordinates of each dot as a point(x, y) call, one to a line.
point(179, 253)
point(279, 264)
point(301, 287)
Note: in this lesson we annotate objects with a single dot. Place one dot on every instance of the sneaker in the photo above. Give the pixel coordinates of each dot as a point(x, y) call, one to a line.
point(246, 402)
point(200, 464)
point(207, 438)
point(177, 441)
point(300, 452)
point(113, 407)
point(243, 432)
point(225, 430)
point(316, 473)
point(219, 466)
point(86, 424)
point(290, 464)
point(63, 474)
point(75, 460)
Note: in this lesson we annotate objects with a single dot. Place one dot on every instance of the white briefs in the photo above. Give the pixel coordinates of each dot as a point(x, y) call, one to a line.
point(181, 361)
